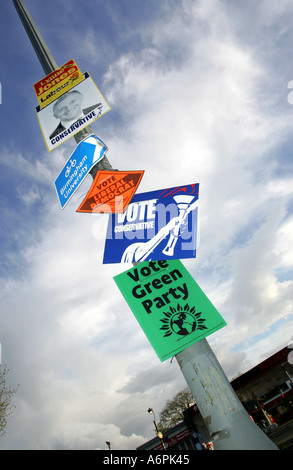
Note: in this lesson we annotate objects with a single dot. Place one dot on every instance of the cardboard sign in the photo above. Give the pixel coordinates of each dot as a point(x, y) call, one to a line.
point(87, 153)
point(111, 191)
point(69, 114)
point(170, 307)
point(156, 225)
point(57, 83)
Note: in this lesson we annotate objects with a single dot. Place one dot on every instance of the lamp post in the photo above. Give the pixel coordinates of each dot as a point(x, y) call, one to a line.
point(159, 434)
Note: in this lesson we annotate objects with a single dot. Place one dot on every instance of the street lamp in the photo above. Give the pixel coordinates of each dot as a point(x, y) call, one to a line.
point(108, 444)
point(159, 434)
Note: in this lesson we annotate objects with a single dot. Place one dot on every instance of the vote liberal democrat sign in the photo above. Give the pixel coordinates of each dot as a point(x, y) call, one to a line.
point(111, 191)
point(171, 308)
point(156, 225)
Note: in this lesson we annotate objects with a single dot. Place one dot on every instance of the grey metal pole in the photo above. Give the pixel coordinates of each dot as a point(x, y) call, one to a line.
point(49, 65)
point(39, 45)
point(228, 423)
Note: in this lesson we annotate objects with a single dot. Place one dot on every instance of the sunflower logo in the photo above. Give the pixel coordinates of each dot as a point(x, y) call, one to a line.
point(182, 321)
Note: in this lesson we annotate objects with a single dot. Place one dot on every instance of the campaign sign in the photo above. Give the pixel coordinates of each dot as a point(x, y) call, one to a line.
point(169, 305)
point(156, 225)
point(111, 191)
point(87, 153)
point(57, 83)
point(73, 111)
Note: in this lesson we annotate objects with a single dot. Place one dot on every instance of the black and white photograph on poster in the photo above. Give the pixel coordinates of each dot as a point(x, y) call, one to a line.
point(71, 112)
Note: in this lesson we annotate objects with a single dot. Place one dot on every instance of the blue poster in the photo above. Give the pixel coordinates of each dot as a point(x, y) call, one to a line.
point(156, 225)
point(87, 153)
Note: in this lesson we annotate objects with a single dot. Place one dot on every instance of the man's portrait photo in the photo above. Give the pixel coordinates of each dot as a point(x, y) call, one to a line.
point(67, 109)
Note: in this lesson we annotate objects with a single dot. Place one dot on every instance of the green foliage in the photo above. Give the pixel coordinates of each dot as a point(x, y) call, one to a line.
point(6, 394)
point(172, 413)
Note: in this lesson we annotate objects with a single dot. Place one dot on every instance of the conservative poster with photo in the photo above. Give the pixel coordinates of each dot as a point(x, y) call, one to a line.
point(71, 112)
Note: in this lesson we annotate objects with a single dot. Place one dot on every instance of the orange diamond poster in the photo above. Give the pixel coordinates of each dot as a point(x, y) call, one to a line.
point(111, 191)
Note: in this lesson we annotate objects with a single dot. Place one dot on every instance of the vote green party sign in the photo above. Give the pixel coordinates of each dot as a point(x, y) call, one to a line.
point(171, 308)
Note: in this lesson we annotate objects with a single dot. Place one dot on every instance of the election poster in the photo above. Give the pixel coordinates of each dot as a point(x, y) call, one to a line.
point(156, 225)
point(57, 83)
point(169, 305)
point(73, 111)
point(87, 153)
point(111, 191)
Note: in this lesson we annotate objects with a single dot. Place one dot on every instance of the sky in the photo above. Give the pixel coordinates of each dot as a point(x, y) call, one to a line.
point(199, 92)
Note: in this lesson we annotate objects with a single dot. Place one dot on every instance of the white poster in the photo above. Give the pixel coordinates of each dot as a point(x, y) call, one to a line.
point(71, 112)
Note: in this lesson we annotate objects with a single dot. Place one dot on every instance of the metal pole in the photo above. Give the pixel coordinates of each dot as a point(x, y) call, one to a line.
point(226, 419)
point(228, 423)
point(159, 433)
point(49, 65)
point(39, 45)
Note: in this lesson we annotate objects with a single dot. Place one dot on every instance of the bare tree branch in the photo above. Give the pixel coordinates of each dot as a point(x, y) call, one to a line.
point(6, 395)
point(172, 413)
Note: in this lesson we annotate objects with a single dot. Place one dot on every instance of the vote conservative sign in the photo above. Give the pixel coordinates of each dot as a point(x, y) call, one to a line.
point(156, 225)
point(169, 305)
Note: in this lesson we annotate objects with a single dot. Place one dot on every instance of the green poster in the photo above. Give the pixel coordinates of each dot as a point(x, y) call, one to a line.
point(170, 307)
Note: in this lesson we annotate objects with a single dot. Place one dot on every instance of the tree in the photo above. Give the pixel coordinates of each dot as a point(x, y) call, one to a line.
point(6, 394)
point(172, 413)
